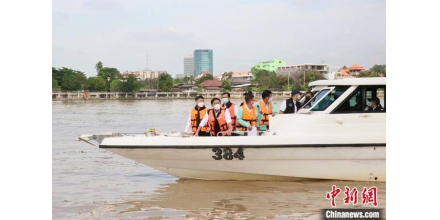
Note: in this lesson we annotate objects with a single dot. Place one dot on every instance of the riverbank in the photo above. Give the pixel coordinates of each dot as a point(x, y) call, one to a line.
point(153, 95)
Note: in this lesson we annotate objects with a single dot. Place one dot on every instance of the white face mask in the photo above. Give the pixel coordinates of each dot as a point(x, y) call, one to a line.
point(201, 104)
point(217, 107)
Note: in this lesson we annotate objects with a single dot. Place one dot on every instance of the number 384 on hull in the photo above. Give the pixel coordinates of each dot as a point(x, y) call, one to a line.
point(339, 135)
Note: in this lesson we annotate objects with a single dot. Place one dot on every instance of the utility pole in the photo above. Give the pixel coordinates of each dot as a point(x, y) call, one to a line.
point(304, 79)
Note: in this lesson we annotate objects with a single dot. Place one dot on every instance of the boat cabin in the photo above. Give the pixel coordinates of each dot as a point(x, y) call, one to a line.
point(352, 95)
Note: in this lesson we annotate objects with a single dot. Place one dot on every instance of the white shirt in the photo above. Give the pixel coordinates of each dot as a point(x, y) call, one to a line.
point(188, 123)
point(205, 119)
point(283, 106)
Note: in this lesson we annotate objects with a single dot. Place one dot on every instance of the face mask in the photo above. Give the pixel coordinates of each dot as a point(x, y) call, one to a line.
point(270, 100)
point(217, 106)
point(201, 104)
point(225, 100)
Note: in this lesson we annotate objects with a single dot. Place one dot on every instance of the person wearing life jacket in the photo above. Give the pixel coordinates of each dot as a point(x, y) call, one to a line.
point(195, 117)
point(217, 118)
point(291, 105)
point(248, 115)
point(266, 107)
point(232, 108)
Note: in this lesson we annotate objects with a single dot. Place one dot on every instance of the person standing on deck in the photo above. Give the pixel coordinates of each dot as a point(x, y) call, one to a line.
point(244, 96)
point(232, 108)
point(195, 117)
point(266, 108)
point(217, 118)
point(248, 117)
point(291, 105)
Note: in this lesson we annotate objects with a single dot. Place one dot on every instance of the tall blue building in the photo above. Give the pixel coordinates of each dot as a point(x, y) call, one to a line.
point(203, 61)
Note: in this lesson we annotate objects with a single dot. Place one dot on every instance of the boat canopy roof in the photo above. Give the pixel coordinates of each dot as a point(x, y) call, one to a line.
point(350, 81)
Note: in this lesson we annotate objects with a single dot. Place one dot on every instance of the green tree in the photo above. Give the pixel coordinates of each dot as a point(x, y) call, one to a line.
point(226, 75)
point(226, 85)
point(165, 81)
point(177, 81)
point(71, 80)
point(129, 84)
point(188, 80)
point(204, 78)
point(379, 69)
point(264, 79)
point(279, 82)
point(152, 83)
point(74, 82)
point(98, 66)
point(310, 76)
point(97, 83)
point(54, 85)
point(115, 84)
point(108, 74)
point(58, 74)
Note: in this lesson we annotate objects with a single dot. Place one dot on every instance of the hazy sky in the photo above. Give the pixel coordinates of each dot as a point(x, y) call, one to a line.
point(240, 33)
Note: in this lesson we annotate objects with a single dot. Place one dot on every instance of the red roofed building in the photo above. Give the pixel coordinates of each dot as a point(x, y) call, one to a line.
point(210, 85)
point(352, 70)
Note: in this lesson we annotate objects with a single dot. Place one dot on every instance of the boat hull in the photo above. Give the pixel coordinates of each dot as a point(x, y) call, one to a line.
point(357, 163)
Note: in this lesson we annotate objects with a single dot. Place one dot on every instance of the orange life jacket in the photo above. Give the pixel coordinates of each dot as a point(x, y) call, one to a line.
point(198, 114)
point(221, 121)
point(251, 119)
point(266, 112)
point(233, 116)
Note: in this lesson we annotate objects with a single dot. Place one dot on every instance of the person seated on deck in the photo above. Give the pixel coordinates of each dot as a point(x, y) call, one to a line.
point(217, 118)
point(232, 108)
point(195, 117)
point(248, 117)
point(309, 96)
point(375, 105)
point(358, 106)
point(266, 107)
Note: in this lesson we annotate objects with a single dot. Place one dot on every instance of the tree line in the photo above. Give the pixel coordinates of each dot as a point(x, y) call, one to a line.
point(110, 79)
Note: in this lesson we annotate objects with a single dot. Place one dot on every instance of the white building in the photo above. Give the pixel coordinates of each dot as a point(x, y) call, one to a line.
point(145, 74)
point(188, 65)
point(290, 69)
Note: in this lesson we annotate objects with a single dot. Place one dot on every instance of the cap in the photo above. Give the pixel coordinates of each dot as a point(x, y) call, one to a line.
point(295, 91)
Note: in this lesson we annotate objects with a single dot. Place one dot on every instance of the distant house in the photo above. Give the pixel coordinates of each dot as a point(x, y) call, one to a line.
point(210, 85)
point(352, 70)
point(187, 87)
point(239, 81)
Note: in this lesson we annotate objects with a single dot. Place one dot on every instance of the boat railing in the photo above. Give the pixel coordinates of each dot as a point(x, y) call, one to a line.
point(238, 132)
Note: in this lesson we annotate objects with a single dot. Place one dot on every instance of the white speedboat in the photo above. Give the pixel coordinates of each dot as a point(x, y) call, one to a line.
point(333, 137)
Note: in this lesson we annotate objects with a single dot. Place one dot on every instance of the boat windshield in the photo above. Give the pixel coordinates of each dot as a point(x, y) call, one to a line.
point(325, 98)
point(316, 98)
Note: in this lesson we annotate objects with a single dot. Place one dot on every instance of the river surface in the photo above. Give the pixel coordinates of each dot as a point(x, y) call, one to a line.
point(91, 183)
